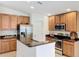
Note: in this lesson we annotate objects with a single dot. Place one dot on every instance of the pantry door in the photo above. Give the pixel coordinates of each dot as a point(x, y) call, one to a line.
point(38, 31)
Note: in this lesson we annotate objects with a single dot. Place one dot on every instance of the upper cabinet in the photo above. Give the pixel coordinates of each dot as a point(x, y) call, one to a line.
point(51, 23)
point(9, 22)
point(20, 18)
point(5, 22)
point(23, 19)
point(26, 19)
point(57, 19)
point(71, 19)
point(13, 21)
point(63, 19)
point(0, 23)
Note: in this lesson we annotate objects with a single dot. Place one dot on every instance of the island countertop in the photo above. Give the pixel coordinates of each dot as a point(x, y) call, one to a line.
point(35, 43)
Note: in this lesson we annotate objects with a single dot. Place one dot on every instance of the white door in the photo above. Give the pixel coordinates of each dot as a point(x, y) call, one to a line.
point(38, 31)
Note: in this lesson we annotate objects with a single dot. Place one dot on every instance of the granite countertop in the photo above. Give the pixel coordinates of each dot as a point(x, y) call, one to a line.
point(64, 38)
point(8, 37)
point(35, 43)
point(72, 40)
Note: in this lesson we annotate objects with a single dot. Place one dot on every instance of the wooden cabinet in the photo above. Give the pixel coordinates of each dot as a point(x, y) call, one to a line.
point(57, 19)
point(13, 21)
point(65, 48)
point(77, 22)
point(5, 22)
point(23, 19)
point(0, 46)
point(8, 22)
point(68, 48)
point(5, 45)
point(26, 19)
point(51, 24)
point(13, 44)
point(20, 18)
point(71, 21)
point(0, 22)
point(63, 19)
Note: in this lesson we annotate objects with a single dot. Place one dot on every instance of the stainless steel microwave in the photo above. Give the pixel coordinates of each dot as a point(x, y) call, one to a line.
point(60, 27)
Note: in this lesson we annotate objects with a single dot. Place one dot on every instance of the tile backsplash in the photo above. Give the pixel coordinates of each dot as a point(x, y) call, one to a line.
point(63, 32)
point(58, 32)
point(8, 32)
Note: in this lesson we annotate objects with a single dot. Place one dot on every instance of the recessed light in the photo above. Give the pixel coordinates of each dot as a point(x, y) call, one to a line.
point(32, 7)
point(49, 14)
point(68, 9)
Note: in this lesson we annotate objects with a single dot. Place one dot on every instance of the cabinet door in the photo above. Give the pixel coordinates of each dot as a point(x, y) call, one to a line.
point(0, 22)
point(62, 19)
point(65, 48)
point(57, 19)
point(5, 45)
point(20, 19)
point(13, 44)
point(0, 46)
point(5, 22)
point(26, 19)
point(51, 24)
point(71, 21)
point(70, 50)
point(13, 20)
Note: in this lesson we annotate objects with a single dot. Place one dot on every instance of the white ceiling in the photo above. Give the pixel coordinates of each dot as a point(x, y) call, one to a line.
point(46, 7)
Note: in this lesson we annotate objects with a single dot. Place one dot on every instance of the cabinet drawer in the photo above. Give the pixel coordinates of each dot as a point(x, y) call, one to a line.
point(67, 42)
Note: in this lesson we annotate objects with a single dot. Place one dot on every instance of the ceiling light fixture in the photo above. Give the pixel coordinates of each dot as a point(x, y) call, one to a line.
point(49, 14)
point(68, 9)
point(32, 7)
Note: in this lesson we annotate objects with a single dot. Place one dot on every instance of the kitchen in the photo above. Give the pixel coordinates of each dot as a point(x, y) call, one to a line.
point(14, 26)
point(64, 28)
point(39, 29)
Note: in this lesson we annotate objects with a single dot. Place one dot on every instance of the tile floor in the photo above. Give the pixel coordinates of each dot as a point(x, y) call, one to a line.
point(9, 54)
point(57, 55)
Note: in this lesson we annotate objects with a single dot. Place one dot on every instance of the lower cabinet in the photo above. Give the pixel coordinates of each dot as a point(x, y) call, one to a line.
point(7, 45)
point(0, 46)
point(68, 48)
point(12, 44)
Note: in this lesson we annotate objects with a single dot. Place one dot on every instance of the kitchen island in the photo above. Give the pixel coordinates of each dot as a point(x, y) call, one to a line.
point(39, 50)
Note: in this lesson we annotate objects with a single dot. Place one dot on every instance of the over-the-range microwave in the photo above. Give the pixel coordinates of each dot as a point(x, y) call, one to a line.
point(60, 27)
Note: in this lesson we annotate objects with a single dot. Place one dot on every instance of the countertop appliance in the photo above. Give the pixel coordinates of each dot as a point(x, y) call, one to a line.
point(25, 33)
point(60, 27)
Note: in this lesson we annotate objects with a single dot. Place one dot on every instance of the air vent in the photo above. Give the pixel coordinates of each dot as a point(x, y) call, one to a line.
point(39, 2)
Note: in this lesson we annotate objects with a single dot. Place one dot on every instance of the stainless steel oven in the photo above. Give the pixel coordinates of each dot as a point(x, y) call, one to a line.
point(58, 46)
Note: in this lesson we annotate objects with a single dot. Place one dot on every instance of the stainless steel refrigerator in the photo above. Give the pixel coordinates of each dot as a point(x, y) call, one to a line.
point(25, 33)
